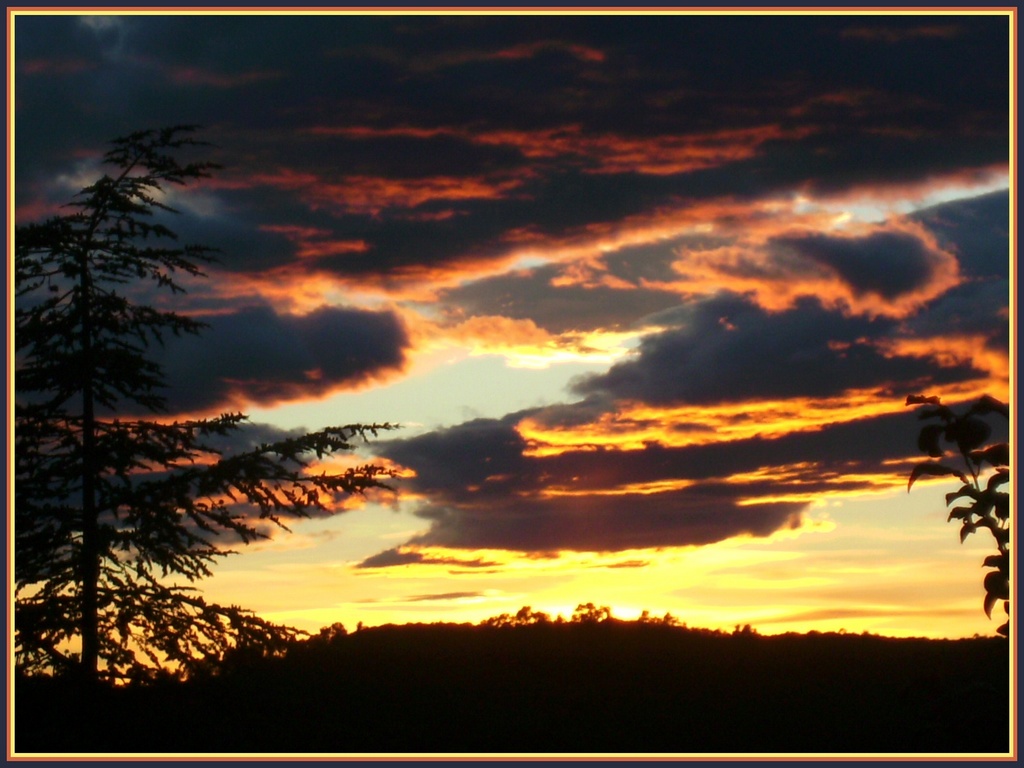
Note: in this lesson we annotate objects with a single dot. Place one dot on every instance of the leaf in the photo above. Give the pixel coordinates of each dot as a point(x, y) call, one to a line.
point(996, 561)
point(928, 440)
point(936, 469)
point(942, 411)
point(965, 490)
point(998, 455)
point(990, 601)
point(968, 433)
point(999, 478)
point(966, 530)
point(1004, 629)
point(997, 585)
point(988, 404)
point(1001, 504)
point(960, 513)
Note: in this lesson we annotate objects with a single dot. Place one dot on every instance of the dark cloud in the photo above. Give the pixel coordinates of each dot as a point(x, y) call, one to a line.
point(484, 459)
point(483, 456)
point(602, 524)
point(485, 492)
point(442, 596)
point(638, 263)
point(629, 564)
point(558, 308)
point(727, 349)
point(975, 309)
point(887, 264)
point(406, 556)
point(844, 110)
point(884, 32)
point(258, 356)
point(977, 229)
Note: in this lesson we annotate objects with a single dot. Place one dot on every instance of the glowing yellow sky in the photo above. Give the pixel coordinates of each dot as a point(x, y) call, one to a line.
point(888, 565)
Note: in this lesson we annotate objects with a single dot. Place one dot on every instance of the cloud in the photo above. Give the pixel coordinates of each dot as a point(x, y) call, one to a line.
point(483, 489)
point(443, 596)
point(888, 264)
point(891, 34)
point(599, 524)
point(977, 229)
point(419, 62)
point(255, 355)
point(600, 174)
point(529, 50)
point(726, 348)
point(779, 253)
point(315, 243)
point(729, 421)
point(601, 153)
point(534, 143)
point(56, 66)
point(110, 33)
point(405, 555)
point(373, 195)
point(198, 77)
point(539, 296)
point(773, 252)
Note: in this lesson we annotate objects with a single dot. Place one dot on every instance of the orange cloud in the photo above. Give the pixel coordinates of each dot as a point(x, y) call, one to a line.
point(292, 289)
point(635, 426)
point(374, 194)
point(625, 489)
point(739, 258)
point(746, 264)
point(754, 266)
point(242, 394)
point(606, 153)
point(803, 483)
point(314, 243)
point(589, 273)
point(956, 349)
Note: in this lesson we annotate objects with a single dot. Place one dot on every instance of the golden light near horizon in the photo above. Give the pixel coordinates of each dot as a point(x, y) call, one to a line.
point(823, 576)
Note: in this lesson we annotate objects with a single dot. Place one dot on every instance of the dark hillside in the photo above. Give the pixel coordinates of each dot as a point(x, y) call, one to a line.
point(605, 687)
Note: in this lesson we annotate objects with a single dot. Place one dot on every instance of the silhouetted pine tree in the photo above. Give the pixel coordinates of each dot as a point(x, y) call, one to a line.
point(116, 515)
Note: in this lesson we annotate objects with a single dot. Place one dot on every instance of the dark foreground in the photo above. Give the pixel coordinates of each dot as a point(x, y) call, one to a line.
point(610, 687)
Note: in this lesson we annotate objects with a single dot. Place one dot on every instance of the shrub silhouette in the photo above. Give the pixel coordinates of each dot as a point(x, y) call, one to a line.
point(988, 507)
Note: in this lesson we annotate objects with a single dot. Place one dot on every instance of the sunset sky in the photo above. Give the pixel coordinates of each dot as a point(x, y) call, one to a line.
point(646, 293)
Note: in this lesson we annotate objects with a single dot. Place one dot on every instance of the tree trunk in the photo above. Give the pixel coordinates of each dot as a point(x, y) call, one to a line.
point(89, 563)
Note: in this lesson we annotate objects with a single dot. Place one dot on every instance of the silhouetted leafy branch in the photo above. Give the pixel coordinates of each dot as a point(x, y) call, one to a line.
point(986, 471)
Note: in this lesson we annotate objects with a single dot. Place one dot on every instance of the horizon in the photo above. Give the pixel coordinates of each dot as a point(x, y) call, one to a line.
point(646, 292)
